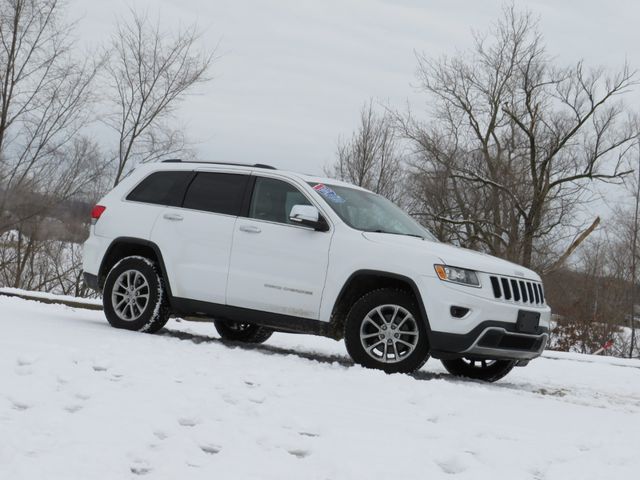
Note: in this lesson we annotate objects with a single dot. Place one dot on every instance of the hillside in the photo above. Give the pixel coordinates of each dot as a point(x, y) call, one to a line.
point(80, 400)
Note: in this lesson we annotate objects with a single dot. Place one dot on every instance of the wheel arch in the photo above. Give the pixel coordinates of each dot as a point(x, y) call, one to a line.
point(122, 247)
point(361, 282)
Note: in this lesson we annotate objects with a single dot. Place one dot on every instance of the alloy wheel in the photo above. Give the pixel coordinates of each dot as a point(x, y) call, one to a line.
point(130, 295)
point(389, 333)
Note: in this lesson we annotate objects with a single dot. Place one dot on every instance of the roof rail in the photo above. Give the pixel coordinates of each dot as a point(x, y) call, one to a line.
point(255, 165)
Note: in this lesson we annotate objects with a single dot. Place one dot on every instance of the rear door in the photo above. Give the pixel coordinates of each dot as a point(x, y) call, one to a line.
point(195, 239)
point(277, 266)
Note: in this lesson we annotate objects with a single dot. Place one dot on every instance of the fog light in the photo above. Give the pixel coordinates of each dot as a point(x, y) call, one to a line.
point(458, 312)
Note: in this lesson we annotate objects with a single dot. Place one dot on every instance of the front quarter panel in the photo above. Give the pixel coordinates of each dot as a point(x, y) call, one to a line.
point(351, 252)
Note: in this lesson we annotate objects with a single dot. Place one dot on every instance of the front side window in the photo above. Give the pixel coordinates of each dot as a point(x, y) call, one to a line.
point(369, 212)
point(273, 199)
point(216, 192)
point(162, 188)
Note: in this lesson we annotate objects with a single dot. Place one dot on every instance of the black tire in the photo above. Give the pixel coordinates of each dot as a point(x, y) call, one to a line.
point(477, 369)
point(242, 332)
point(155, 313)
point(360, 323)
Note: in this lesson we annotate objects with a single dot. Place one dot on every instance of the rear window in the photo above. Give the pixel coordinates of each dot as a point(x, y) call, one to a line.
point(162, 188)
point(217, 193)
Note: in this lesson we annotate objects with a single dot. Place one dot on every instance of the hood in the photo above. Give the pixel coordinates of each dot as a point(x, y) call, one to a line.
point(454, 256)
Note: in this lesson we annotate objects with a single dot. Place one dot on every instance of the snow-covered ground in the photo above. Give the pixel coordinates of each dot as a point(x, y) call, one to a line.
point(80, 400)
point(49, 296)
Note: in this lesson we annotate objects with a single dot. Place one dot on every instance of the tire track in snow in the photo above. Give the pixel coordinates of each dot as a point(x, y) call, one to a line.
point(584, 397)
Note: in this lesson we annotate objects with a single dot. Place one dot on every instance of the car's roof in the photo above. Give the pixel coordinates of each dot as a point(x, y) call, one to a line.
point(258, 168)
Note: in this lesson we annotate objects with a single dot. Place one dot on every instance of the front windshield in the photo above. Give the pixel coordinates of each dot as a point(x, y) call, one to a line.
point(369, 212)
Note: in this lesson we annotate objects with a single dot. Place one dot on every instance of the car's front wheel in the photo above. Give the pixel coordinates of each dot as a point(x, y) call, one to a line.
point(479, 369)
point(133, 296)
point(242, 332)
point(384, 330)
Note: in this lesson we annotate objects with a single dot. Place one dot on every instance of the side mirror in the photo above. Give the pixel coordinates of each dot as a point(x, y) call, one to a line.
point(309, 216)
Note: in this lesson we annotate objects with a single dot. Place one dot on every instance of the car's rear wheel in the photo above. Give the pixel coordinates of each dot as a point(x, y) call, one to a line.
point(133, 296)
point(479, 369)
point(242, 332)
point(385, 330)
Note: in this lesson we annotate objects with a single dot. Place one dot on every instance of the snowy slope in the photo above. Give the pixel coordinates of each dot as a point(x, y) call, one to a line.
point(80, 400)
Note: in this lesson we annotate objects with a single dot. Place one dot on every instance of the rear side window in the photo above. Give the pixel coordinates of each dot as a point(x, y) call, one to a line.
point(162, 188)
point(217, 193)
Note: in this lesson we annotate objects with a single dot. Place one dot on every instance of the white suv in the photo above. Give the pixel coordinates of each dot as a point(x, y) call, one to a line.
point(259, 250)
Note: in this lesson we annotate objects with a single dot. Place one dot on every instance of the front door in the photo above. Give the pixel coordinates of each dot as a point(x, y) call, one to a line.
point(277, 266)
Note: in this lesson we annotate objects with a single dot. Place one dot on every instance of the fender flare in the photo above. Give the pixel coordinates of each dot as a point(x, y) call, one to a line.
point(135, 241)
point(394, 276)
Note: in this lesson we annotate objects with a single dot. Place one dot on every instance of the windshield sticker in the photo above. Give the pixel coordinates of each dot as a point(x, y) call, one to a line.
point(327, 193)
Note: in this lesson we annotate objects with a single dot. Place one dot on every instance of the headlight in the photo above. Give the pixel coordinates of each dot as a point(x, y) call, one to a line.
point(457, 275)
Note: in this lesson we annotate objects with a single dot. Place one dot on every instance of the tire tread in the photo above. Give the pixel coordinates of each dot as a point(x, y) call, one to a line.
point(255, 334)
point(160, 315)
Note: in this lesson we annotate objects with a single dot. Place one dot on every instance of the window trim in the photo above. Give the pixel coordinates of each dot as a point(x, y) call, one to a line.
point(302, 187)
point(248, 195)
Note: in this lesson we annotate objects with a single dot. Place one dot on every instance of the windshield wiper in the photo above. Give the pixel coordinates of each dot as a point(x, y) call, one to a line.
point(396, 233)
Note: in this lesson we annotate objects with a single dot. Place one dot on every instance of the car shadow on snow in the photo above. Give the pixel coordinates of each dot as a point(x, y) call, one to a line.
point(422, 375)
point(273, 350)
point(262, 348)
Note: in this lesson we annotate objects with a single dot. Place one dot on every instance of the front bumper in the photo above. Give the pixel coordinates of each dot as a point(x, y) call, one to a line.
point(495, 340)
point(490, 328)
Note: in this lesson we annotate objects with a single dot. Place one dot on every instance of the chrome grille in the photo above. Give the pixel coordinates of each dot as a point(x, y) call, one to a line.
point(516, 290)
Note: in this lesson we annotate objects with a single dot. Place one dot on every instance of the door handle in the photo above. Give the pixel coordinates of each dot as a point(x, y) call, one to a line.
point(249, 229)
point(174, 217)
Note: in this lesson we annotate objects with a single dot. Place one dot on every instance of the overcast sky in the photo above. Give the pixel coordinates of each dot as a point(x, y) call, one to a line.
point(292, 75)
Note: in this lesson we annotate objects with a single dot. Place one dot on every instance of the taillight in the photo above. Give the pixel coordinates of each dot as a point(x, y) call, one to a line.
point(96, 212)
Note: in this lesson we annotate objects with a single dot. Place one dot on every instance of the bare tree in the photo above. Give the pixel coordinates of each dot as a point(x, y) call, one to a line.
point(371, 158)
point(44, 97)
point(45, 157)
point(514, 141)
point(628, 223)
point(590, 301)
point(149, 72)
